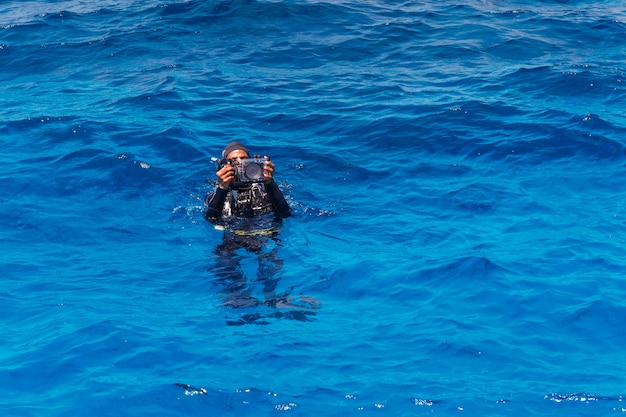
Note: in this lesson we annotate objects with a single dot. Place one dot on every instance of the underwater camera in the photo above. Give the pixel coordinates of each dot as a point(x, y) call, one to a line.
point(247, 170)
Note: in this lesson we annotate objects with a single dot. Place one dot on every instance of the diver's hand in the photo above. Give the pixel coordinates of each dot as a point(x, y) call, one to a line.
point(268, 170)
point(226, 175)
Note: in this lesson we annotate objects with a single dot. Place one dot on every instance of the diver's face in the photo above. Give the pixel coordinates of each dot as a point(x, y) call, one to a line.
point(237, 154)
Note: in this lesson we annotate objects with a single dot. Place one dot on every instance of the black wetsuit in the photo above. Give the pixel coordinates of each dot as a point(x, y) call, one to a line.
point(253, 201)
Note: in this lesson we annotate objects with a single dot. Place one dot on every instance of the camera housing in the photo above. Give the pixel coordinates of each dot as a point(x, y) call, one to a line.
point(247, 170)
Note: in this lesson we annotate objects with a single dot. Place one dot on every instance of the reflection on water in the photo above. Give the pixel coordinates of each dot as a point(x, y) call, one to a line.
point(247, 269)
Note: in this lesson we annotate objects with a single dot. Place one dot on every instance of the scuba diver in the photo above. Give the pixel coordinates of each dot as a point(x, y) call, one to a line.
point(246, 187)
point(249, 206)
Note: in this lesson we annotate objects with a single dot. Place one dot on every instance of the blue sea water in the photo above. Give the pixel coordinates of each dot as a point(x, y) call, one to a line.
point(456, 173)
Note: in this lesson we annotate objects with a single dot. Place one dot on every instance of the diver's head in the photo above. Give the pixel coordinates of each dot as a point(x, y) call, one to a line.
point(235, 150)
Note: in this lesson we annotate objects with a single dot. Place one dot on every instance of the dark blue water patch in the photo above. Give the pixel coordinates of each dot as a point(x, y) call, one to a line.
point(92, 168)
point(332, 172)
point(560, 80)
point(296, 13)
point(158, 102)
point(595, 125)
point(54, 134)
point(192, 11)
point(176, 144)
point(584, 84)
point(613, 33)
point(475, 198)
point(550, 144)
point(47, 135)
point(587, 146)
point(236, 15)
point(84, 346)
point(462, 270)
point(68, 26)
point(580, 135)
point(599, 323)
point(98, 350)
point(433, 169)
point(109, 47)
point(409, 134)
point(551, 35)
point(14, 35)
point(35, 58)
point(516, 49)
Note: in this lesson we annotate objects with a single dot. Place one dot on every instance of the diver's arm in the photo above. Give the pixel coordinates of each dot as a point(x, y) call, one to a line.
point(215, 204)
point(215, 201)
point(276, 197)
